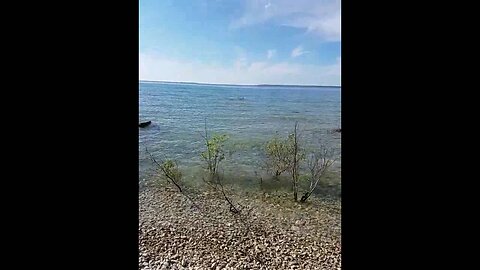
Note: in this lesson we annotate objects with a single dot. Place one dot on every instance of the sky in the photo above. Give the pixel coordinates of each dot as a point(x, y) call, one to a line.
point(241, 42)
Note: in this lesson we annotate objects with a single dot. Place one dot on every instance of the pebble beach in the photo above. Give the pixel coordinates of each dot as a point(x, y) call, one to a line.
point(271, 232)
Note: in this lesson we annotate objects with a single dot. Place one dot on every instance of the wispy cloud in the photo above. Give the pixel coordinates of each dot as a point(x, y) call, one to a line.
point(241, 60)
point(319, 17)
point(271, 53)
point(157, 67)
point(298, 51)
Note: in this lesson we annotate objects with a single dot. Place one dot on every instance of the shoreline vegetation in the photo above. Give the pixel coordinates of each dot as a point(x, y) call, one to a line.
point(216, 224)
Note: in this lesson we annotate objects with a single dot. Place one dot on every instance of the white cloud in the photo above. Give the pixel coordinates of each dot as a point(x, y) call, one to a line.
point(241, 60)
point(319, 17)
point(271, 53)
point(298, 51)
point(158, 68)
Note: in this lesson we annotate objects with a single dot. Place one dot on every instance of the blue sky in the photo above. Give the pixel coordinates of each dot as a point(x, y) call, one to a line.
point(241, 42)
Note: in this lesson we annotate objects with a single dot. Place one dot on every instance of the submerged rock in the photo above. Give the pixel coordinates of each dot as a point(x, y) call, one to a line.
point(144, 124)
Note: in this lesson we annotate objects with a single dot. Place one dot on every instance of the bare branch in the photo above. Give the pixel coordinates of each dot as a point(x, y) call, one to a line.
point(318, 164)
point(168, 175)
point(232, 206)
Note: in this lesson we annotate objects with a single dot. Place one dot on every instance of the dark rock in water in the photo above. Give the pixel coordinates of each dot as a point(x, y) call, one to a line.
point(144, 124)
point(339, 130)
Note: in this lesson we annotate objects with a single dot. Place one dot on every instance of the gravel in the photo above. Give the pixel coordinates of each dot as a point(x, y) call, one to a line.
point(272, 231)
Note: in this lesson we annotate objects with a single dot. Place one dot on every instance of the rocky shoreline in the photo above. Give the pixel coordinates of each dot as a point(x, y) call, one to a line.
point(272, 232)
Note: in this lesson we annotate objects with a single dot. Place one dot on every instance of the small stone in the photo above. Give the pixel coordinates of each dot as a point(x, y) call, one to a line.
point(300, 222)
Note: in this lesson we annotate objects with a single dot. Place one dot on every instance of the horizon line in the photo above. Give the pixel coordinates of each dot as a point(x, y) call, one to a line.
point(231, 84)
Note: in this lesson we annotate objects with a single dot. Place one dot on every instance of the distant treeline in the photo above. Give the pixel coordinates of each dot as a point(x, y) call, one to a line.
point(256, 85)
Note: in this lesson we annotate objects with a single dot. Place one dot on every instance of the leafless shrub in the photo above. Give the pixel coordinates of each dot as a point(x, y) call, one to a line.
point(318, 163)
point(170, 171)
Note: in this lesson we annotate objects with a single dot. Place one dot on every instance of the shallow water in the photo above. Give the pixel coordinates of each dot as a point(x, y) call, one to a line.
point(251, 115)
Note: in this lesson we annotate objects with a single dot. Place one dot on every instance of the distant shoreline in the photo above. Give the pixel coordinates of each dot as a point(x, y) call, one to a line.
point(256, 85)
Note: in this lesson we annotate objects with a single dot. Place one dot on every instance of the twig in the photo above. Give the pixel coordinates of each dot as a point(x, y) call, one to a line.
point(232, 206)
point(166, 174)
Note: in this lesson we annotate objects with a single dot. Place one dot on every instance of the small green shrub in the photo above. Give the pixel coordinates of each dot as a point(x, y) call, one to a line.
point(285, 156)
point(214, 152)
point(278, 156)
point(171, 172)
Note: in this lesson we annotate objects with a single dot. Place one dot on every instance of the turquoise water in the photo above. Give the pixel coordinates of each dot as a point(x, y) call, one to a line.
point(249, 114)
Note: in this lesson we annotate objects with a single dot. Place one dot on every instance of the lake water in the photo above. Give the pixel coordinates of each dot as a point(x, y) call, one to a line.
point(250, 115)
